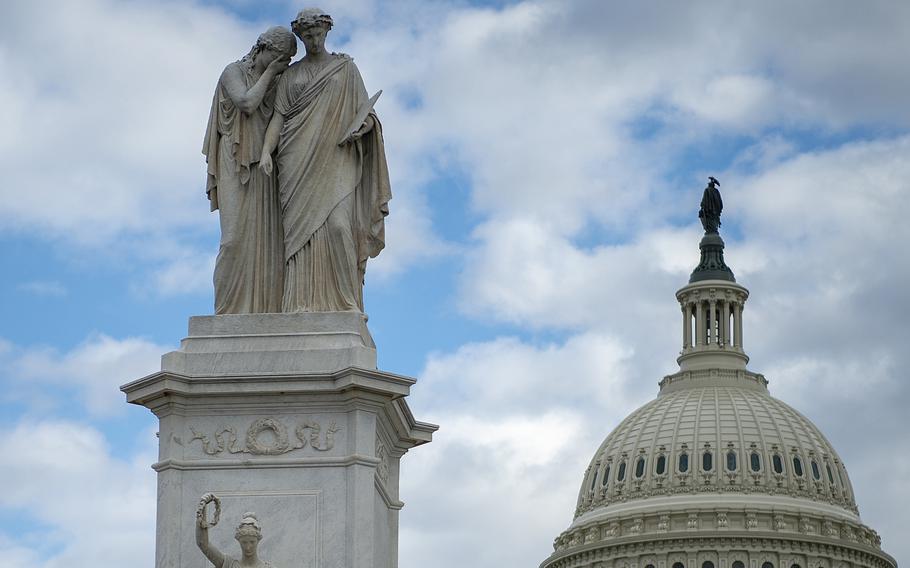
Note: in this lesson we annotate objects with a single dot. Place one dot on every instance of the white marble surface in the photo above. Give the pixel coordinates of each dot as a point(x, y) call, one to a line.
point(307, 342)
point(312, 448)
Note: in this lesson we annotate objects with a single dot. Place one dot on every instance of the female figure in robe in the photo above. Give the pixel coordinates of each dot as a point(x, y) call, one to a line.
point(711, 206)
point(248, 534)
point(334, 195)
point(250, 265)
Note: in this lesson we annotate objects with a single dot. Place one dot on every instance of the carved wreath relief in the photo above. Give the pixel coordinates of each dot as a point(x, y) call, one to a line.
point(384, 467)
point(306, 433)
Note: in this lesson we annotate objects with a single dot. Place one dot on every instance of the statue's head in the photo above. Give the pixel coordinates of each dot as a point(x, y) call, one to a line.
point(277, 41)
point(311, 25)
point(248, 534)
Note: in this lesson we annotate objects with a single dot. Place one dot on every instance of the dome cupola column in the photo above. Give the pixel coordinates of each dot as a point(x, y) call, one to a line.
point(712, 302)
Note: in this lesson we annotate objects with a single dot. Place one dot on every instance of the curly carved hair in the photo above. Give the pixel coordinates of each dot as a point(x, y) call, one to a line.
point(278, 38)
point(249, 526)
point(310, 17)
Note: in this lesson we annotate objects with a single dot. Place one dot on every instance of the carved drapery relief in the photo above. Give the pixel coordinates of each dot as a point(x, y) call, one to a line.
point(306, 432)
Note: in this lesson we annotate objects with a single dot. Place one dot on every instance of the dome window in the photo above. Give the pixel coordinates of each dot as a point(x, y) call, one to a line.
point(649, 566)
point(707, 461)
point(640, 468)
point(683, 463)
point(755, 462)
point(661, 465)
point(594, 480)
point(621, 474)
point(605, 480)
point(678, 565)
point(731, 460)
point(815, 472)
point(778, 464)
point(738, 564)
point(830, 477)
point(767, 565)
point(795, 566)
point(797, 466)
point(707, 564)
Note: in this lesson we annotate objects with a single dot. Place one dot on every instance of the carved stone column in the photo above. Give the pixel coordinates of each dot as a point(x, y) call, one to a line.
point(700, 333)
point(712, 321)
point(738, 319)
point(687, 325)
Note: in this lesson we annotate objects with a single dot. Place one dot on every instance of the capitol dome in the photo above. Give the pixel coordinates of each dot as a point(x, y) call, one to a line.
point(715, 472)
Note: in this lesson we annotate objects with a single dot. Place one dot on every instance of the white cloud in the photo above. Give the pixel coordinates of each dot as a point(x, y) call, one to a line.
point(16, 556)
point(509, 376)
point(101, 140)
point(47, 288)
point(187, 274)
point(519, 424)
point(92, 509)
point(105, 142)
point(94, 370)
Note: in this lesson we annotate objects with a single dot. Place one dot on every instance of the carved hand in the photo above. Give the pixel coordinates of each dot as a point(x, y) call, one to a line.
point(368, 124)
point(265, 164)
point(278, 66)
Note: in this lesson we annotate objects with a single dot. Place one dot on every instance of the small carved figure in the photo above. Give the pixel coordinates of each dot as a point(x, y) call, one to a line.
point(248, 534)
point(711, 206)
point(722, 521)
point(751, 521)
point(806, 527)
point(612, 531)
point(591, 535)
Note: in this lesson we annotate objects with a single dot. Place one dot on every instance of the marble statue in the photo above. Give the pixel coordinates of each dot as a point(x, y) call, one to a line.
point(711, 206)
point(333, 181)
point(248, 534)
point(249, 268)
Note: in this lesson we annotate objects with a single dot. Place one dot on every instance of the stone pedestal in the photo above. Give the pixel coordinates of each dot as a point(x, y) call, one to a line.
point(287, 416)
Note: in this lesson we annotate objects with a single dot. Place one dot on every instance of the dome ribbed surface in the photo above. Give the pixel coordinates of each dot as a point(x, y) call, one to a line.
point(731, 423)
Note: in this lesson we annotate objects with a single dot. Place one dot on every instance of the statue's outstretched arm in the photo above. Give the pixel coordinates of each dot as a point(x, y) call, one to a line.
point(202, 536)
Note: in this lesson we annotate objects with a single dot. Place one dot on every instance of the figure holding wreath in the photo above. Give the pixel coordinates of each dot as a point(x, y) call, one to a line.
point(248, 534)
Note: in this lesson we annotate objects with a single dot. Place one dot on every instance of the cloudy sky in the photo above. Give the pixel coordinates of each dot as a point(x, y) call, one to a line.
point(547, 160)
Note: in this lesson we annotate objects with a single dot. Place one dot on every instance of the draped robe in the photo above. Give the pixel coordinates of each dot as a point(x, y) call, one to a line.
point(333, 198)
point(230, 562)
point(249, 270)
point(711, 207)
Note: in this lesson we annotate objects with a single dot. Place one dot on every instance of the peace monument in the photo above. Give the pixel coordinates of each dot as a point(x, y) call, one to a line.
point(275, 404)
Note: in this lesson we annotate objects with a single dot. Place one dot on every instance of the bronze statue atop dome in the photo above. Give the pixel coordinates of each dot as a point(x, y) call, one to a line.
point(711, 206)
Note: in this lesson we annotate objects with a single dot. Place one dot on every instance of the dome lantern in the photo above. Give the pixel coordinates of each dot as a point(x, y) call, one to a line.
point(712, 303)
